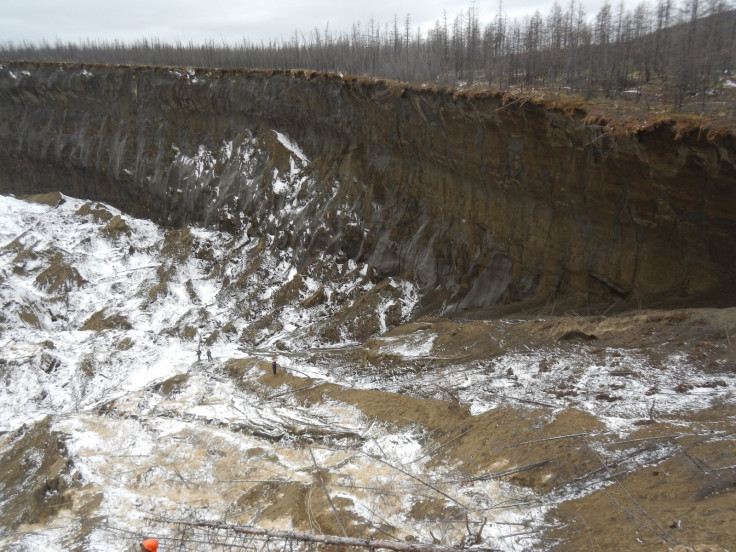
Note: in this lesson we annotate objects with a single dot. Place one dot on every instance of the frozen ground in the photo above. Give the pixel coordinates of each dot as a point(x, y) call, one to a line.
point(421, 433)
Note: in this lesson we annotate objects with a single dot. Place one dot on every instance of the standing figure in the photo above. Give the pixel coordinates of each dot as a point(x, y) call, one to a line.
point(274, 367)
point(209, 354)
point(199, 354)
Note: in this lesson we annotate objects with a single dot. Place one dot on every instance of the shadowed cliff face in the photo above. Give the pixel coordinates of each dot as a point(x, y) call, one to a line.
point(483, 203)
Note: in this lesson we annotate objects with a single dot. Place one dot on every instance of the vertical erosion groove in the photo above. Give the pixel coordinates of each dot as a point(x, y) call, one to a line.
point(489, 202)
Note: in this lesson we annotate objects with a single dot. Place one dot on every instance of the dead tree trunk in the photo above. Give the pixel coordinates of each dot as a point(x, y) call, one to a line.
point(373, 544)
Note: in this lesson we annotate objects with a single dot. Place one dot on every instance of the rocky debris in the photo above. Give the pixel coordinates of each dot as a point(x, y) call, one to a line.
point(52, 199)
point(115, 227)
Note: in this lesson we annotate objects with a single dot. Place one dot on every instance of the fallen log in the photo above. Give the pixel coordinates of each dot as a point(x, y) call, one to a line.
point(372, 544)
point(570, 436)
point(509, 472)
point(379, 459)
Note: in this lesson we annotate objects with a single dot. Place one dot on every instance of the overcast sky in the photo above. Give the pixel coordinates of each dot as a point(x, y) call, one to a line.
point(230, 21)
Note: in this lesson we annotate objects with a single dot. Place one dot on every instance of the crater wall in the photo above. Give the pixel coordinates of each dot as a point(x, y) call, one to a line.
point(482, 201)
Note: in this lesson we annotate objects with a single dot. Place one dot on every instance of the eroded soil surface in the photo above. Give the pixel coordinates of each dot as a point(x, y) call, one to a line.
point(459, 445)
point(522, 430)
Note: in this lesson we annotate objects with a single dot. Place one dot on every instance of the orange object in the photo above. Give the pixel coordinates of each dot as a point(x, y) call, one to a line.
point(150, 544)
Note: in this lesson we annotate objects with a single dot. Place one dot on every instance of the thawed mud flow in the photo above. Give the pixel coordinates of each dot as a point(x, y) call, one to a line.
point(459, 364)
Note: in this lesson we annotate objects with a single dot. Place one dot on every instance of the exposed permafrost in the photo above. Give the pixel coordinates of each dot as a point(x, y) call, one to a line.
point(481, 203)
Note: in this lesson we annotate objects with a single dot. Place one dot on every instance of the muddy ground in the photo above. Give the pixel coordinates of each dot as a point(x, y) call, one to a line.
point(662, 479)
point(670, 480)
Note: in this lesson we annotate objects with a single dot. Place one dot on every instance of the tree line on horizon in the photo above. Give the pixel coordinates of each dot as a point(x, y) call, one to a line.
point(681, 50)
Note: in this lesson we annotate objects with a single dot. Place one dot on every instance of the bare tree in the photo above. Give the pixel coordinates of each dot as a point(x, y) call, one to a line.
point(688, 49)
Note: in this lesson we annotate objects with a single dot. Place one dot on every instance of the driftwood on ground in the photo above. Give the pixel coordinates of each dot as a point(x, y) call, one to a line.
point(373, 544)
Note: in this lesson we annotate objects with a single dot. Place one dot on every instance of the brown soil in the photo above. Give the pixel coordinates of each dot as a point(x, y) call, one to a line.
point(116, 227)
point(59, 276)
point(685, 499)
point(37, 462)
point(98, 212)
point(52, 198)
point(98, 322)
point(684, 493)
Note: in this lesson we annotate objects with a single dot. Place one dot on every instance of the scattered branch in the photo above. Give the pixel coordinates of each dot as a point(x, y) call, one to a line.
point(417, 479)
point(510, 472)
point(434, 451)
point(176, 470)
point(662, 533)
point(597, 138)
point(295, 390)
point(527, 401)
point(372, 544)
point(555, 438)
point(324, 488)
point(590, 537)
point(670, 436)
point(651, 411)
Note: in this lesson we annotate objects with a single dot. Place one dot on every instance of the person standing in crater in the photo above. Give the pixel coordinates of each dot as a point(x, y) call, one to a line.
point(273, 366)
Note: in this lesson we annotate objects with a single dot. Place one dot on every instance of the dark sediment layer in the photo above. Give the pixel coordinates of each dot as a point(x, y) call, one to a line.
point(483, 203)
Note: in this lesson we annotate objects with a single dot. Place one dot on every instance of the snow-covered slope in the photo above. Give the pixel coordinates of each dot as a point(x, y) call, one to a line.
point(96, 303)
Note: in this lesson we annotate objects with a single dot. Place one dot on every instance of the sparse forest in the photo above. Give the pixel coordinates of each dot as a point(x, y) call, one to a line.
point(679, 55)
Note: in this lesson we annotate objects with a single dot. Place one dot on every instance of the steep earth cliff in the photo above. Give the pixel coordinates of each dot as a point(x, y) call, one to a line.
point(482, 200)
